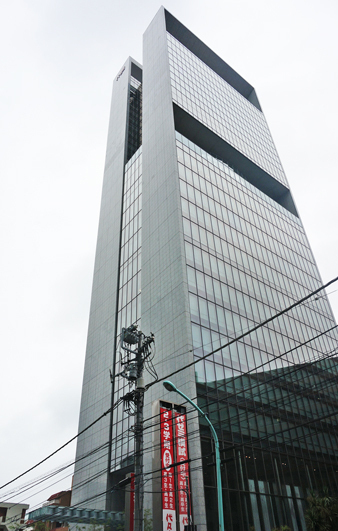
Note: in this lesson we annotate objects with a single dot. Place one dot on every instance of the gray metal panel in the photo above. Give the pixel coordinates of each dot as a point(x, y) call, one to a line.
point(96, 391)
point(165, 307)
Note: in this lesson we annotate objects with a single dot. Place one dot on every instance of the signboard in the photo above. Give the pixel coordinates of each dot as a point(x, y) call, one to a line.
point(168, 479)
point(182, 470)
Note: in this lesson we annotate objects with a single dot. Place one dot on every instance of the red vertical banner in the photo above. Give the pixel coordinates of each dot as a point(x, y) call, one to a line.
point(182, 469)
point(168, 479)
point(132, 502)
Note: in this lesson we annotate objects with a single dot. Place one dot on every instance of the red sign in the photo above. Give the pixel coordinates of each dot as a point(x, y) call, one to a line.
point(182, 470)
point(168, 479)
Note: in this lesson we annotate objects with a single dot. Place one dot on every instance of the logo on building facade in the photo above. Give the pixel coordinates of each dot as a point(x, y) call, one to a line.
point(120, 74)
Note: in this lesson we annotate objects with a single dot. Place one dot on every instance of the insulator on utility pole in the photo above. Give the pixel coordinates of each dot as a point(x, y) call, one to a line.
point(133, 372)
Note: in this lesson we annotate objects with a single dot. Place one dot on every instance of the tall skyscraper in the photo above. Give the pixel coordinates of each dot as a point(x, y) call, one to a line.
point(199, 242)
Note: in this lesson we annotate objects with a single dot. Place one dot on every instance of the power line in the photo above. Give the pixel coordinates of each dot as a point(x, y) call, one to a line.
point(148, 449)
point(276, 377)
point(264, 383)
point(231, 448)
point(41, 479)
point(239, 445)
point(265, 412)
point(61, 447)
point(271, 354)
point(246, 333)
point(47, 476)
point(179, 370)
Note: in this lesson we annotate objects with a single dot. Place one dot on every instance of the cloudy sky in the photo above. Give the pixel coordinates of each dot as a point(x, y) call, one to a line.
point(58, 60)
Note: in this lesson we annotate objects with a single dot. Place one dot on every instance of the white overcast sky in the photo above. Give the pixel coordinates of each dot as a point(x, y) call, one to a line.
point(58, 61)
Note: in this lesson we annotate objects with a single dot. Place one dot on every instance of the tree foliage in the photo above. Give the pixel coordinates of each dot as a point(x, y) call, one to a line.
point(148, 521)
point(40, 526)
point(322, 512)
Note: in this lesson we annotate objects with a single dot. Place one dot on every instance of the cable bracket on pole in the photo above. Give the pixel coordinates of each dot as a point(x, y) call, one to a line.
point(137, 355)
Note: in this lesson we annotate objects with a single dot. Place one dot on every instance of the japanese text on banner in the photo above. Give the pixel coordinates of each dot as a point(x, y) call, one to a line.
point(168, 479)
point(182, 469)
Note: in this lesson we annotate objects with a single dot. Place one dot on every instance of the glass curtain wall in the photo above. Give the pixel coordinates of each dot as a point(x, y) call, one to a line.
point(271, 395)
point(135, 117)
point(129, 305)
point(215, 103)
point(129, 294)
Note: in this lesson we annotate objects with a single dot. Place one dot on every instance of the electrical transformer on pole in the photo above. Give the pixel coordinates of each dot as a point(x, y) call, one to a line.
point(138, 355)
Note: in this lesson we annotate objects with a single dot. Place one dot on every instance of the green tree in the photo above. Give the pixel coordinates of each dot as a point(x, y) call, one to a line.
point(40, 526)
point(322, 512)
point(148, 521)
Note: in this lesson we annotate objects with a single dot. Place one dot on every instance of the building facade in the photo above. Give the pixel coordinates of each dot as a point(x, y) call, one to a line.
point(12, 516)
point(199, 242)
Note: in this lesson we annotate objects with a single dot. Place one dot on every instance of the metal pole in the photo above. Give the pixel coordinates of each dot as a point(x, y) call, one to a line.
point(188, 501)
point(139, 441)
point(133, 371)
point(171, 387)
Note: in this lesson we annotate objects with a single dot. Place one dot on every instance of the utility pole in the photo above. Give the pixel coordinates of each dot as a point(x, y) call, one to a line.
point(138, 352)
point(188, 502)
point(139, 401)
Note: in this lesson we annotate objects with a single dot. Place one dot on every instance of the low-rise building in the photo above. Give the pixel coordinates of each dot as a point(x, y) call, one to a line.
point(12, 516)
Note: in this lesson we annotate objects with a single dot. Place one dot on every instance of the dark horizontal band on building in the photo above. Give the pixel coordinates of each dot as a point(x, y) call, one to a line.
point(203, 137)
point(210, 58)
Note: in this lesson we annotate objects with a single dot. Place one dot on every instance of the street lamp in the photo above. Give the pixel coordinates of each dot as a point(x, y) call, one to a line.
point(171, 387)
